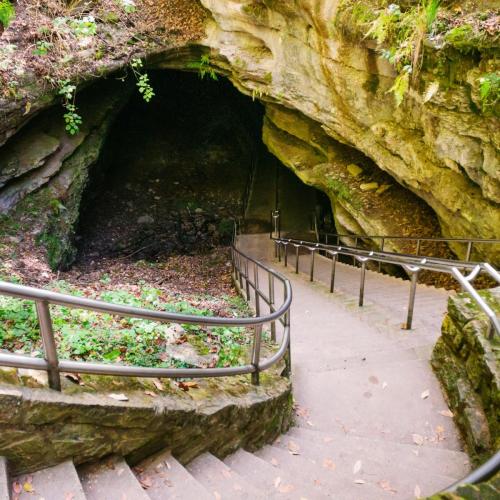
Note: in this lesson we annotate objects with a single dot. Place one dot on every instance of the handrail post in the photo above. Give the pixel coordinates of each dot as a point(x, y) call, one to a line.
point(287, 372)
point(286, 253)
point(49, 344)
point(271, 305)
point(256, 354)
point(419, 243)
point(362, 284)
point(332, 275)
point(256, 288)
point(278, 245)
point(240, 273)
point(382, 244)
point(411, 302)
point(469, 251)
point(247, 280)
point(313, 253)
point(297, 259)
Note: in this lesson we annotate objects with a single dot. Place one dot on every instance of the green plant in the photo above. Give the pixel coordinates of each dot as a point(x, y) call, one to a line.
point(143, 85)
point(128, 6)
point(86, 26)
point(204, 67)
point(459, 36)
point(489, 91)
point(88, 335)
point(72, 119)
point(401, 38)
point(341, 190)
point(7, 12)
point(42, 48)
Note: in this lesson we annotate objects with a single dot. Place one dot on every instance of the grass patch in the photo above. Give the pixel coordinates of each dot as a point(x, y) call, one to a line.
point(89, 336)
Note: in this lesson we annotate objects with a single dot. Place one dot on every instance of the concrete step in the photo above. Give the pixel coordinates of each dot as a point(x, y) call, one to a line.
point(277, 482)
point(449, 463)
point(388, 477)
point(378, 402)
point(4, 479)
point(60, 482)
point(222, 481)
point(345, 486)
point(165, 477)
point(110, 479)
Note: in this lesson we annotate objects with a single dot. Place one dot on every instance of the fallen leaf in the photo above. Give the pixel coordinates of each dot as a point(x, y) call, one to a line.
point(151, 393)
point(277, 482)
point(226, 473)
point(118, 397)
point(418, 492)
point(293, 448)
point(384, 385)
point(217, 495)
point(185, 386)
point(286, 488)
point(168, 465)
point(418, 439)
point(329, 464)
point(69, 496)
point(310, 423)
point(357, 467)
point(28, 487)
point(274, 462)
point(328, 439)
point(446, 413)
point(17, 487)
point(158, 384)
point(74, 377)
point(373, 379)
point(385, 485)
point(146, 482)
point(360, 481)
point(425, 394)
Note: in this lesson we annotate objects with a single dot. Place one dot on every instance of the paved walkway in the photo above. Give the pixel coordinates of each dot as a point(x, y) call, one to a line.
point(361, 382)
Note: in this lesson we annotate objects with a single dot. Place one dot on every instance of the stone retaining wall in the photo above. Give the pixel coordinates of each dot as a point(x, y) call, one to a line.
point(40, 427)
point(468, 366)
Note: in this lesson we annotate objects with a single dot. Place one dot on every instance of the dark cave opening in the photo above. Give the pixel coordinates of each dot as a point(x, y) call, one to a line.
point(175, 173)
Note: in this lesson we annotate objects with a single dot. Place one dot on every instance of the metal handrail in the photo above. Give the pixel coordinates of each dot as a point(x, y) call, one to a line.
point(411, 264)
point(244, 281)
point(418, 239)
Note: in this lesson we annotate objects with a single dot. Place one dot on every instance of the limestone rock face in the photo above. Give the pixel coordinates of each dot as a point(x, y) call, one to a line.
point(287, 55)
point(442, 150)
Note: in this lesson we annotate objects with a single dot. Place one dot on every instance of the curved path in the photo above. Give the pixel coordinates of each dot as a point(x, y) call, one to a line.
point(371, 420)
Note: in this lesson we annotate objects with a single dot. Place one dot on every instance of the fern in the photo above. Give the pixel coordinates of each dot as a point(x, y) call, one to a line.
point(431, 8)
point(401, 86)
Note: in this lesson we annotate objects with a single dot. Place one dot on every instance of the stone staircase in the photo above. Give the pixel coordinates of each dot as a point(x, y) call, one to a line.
point(371, 420)
point(303, 464)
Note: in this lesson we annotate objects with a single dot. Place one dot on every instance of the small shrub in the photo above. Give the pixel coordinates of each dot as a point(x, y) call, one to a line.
point(7, 12)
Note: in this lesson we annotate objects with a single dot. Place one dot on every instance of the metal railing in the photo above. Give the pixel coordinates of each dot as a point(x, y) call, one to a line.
point(329, 238)
point(464, 272)
point(413, 265)
point(245, 272)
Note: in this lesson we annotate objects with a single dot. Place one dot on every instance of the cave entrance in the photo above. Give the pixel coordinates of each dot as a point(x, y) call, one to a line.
point(175, 173)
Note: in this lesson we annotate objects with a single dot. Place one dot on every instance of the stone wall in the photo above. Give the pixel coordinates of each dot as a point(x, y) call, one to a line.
point(40, 427)
point(467, 363)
